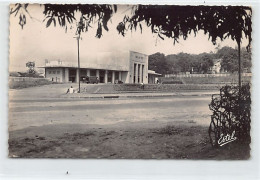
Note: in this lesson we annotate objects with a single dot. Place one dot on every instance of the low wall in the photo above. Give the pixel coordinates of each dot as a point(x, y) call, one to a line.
point(205, 79)
point(19, 83)
point(164, 87)
point(206, 75)
point(27, 79)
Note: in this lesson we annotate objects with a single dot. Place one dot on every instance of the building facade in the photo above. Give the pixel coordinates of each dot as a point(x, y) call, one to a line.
point(129, 67)
point(216, 68)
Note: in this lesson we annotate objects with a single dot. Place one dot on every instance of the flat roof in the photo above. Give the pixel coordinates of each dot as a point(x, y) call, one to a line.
point(59, 66)
point(153, 73)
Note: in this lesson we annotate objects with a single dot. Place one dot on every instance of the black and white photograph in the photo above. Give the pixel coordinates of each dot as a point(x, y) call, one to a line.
point(137, 81)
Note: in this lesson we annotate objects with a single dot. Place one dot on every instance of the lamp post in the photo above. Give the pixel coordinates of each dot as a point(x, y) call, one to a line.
point(78, 37)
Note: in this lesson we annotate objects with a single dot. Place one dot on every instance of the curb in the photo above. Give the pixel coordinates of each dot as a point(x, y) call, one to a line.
point(137, 96)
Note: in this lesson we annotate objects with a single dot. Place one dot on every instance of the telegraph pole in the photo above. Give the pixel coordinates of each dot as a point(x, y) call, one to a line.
point(239, 67)
point(78, 63)
point(78, 37)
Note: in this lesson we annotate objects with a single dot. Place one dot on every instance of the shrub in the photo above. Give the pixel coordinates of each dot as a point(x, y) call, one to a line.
point(231, 112)
point(26, 84)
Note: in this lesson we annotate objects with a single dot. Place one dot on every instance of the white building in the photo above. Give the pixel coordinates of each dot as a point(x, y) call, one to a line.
point(216, 66)
point(128, 67)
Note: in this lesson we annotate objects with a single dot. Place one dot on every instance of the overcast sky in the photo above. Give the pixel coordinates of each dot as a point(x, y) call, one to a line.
point(36, 43)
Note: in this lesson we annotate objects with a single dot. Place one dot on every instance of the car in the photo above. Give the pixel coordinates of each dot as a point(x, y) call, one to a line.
point(91, 80)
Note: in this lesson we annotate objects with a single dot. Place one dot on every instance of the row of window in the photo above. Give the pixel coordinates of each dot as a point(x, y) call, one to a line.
point(138, 57)
point(54, 72)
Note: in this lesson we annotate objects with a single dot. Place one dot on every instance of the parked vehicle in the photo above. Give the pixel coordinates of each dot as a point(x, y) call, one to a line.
point(118, 82)
point(91, 80)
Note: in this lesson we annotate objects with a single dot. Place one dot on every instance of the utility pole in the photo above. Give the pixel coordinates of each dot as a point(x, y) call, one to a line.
point(239, 67)
point(78, 37)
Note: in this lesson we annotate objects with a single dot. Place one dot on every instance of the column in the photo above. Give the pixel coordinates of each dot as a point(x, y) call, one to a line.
point(88, 72)
point(143, 74)
point(120, 76)
point(97, 73)
point(136, 73)
point(77, 75)
point(113, 77)
point(66, 75)
point(106, 76)
point(140, 73)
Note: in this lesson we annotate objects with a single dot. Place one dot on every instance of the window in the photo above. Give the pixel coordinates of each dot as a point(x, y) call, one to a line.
point(54, 72)
point(134, 73)
point(49, 72)
point(58, 72)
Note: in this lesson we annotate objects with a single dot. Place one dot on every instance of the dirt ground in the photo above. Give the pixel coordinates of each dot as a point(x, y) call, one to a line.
point(146, 141)
point(44, 125)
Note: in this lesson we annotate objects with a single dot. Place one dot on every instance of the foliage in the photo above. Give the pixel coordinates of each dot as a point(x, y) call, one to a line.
point(229, 58)
point(64, 15)
point(27, 84)
point(231, 112)
point(184, 62)
point(179, 21)
point(165, 20)
point(157, 62)
point(201, 63)
point(31, 65)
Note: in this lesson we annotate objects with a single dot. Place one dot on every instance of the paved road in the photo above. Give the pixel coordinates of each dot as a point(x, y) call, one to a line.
point(28, 112)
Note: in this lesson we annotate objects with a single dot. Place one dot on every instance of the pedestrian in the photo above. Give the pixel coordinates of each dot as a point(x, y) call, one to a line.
point(142, 86)
point(70, 90)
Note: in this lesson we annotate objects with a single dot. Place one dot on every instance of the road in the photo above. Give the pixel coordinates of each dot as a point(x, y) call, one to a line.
point(44, 124)
point(28, 111)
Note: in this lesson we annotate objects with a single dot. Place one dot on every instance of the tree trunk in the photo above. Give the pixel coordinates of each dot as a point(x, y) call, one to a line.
point(239, 66)
point(78, 64)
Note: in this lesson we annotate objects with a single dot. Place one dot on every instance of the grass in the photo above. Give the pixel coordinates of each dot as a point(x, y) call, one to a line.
point(169, 142)
point(26, 84)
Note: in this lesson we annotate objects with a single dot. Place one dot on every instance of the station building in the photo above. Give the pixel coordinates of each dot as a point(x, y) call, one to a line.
point(128, 67)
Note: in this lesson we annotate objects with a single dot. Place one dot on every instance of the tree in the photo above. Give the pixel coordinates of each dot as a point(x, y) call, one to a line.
point(166, 21)
point(31, 65)
point(229, 58)
point(172, 63)
point(206, 63)
point(246, 60)
point(180, 21)
point(64, 15)
point(157, 62)
point(184, 62)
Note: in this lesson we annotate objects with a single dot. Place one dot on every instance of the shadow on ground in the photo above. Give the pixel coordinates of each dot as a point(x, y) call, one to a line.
point(165, 142)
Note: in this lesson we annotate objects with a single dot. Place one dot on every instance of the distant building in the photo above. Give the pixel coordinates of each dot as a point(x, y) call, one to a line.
point(153, 77)
point(216, 68)
point(128, 67)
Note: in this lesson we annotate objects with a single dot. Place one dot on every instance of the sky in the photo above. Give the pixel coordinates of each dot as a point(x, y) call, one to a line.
point(36, 43)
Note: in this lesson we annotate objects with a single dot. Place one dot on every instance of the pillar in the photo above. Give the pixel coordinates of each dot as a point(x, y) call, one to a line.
point(88, 72)
point(140, 73)
point(143, 76)
point(66, 75)
point(97, 73)
point(113, 77)
point(120, 76)
point(106, 72)
point(77, 75)
point(136, 73)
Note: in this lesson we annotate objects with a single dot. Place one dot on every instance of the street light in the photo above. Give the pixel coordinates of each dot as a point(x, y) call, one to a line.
point(78, 37)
